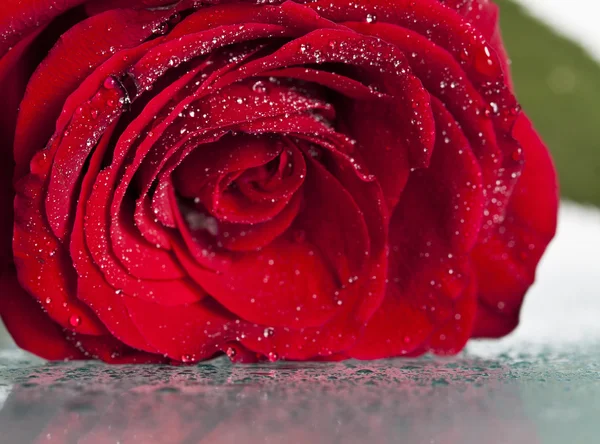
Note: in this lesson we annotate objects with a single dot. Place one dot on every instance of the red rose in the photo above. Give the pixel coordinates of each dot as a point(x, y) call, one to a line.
point(271, 180)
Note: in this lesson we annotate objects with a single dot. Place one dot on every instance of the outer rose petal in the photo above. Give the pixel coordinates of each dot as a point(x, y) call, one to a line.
point(31, 328)
point(429, 280)
point(70, 61)
point(20, 18)
point(14, 71)
point(484, 15)
point(506, 263)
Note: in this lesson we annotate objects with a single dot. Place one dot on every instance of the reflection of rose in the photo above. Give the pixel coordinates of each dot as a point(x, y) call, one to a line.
point(310, 179)
point(328, 403)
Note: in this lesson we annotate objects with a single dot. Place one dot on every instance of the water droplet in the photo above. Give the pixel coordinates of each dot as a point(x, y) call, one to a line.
point(272, 356)
point(48, 300)
point(371, 18)
point(512, 111)
point(509, 115)
point(110, 83)
point(75, 321)
point(268, 332)
point(175, 18)
point(259, 87)
point(231, 352)
point(490, 109)
point(186, 358)
point(484, 63)
point(304, 47)
point(517, 155)
point(94, 113)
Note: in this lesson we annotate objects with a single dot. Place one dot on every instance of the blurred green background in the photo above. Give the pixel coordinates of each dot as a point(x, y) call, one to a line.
point(558, 85)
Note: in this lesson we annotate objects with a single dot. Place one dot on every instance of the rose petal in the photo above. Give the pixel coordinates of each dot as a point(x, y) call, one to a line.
point(30, 326)
point(506, 262)
point(70, 61)
point(20, 19)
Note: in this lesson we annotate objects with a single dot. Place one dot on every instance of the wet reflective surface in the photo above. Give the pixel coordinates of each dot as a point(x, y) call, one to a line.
point(515, 397)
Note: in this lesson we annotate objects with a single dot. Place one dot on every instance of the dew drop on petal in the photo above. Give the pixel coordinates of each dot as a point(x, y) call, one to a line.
point(75, 321)
point(483, 62)
point(371, 18)
point(517, 155)
point(110, 83)
point(259, 87)
point(175, 18)
point(231, 352)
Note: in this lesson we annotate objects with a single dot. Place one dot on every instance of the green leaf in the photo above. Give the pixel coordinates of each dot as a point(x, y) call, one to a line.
point(558, 85)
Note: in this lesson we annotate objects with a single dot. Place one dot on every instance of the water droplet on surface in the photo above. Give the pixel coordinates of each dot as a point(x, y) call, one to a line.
point(231, 352)
point(259, 87)
point(175, 18)
point(371, 18)
point(272, 356)
point(304, 47)
point(512, 111)
point(75, 321)
point(484, 63)
point(494, 107)
point(268, 332)
point(517, 155)
point(464, 55)
point(110, 83)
